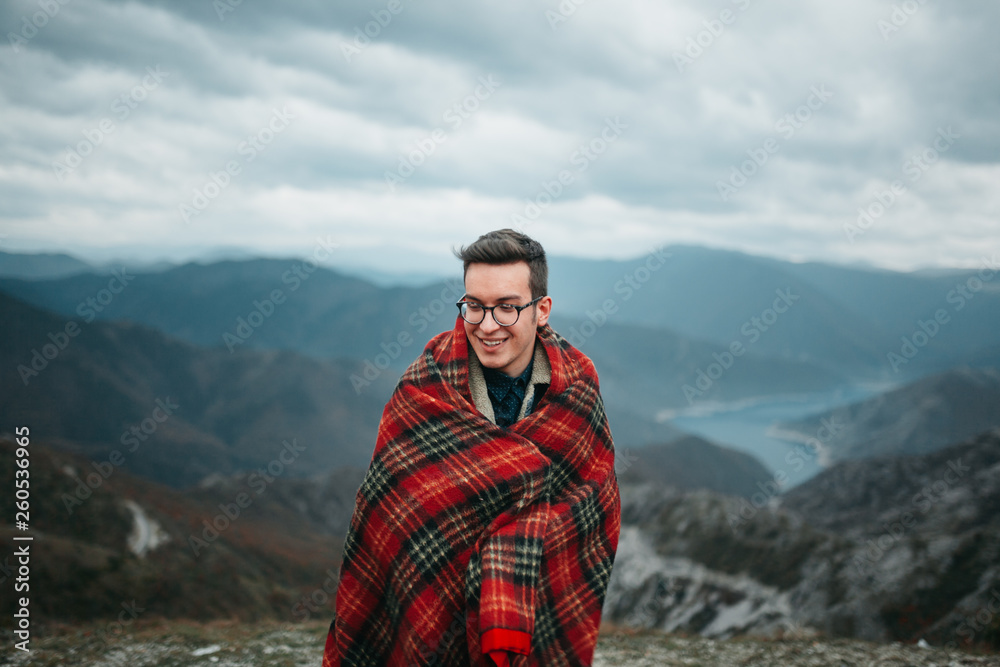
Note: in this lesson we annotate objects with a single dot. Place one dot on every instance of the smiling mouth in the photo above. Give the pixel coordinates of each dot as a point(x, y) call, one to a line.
point(492, 344)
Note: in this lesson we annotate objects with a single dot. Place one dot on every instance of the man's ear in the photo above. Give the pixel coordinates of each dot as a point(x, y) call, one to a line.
point(544, 310)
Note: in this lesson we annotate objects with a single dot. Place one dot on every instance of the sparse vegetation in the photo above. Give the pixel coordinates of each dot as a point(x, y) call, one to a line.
point(233, 644)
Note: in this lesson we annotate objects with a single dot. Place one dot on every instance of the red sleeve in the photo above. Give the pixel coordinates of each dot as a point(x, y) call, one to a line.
point(497, 639)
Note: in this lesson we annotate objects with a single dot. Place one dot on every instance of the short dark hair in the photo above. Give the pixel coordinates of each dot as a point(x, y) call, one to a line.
point(507, 246)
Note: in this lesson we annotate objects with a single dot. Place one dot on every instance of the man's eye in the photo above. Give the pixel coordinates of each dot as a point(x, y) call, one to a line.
point(474, 307)
point(506, 307)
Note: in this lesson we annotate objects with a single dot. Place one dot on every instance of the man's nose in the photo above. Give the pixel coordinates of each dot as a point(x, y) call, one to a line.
point(489, 323)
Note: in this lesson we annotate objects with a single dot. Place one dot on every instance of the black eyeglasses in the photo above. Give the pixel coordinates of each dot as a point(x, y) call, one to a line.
point(504, 314)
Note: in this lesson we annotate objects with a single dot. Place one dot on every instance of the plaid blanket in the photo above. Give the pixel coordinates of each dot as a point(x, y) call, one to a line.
point(466, 534)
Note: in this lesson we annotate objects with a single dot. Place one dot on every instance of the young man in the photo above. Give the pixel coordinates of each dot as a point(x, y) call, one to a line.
point(486, 527)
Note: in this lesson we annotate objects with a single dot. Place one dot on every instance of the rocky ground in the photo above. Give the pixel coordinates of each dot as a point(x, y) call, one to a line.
point(177, 644)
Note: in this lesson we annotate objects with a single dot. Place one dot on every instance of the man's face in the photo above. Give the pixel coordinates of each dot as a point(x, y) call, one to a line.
point(492, 284)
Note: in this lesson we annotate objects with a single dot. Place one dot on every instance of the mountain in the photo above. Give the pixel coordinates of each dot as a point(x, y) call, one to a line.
point(927, 530)
point(278, 304)
point(886, 549)
point(857, 497)
point(850, 321)
point(389, 265)
point(846, 319)
point(113, 546)
point(900, 301)
point(323, 502)
point(691, 463)
point(917, 418)
point(177, 412)
point(264, 304)
point(716, 296)
point(40, 265)
point(655, 371)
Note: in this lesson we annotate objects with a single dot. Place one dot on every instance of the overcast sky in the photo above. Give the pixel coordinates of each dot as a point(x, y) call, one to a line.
point(159, 128)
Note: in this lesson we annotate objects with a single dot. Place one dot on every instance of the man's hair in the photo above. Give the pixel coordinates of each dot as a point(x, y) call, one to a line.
point(507, 246)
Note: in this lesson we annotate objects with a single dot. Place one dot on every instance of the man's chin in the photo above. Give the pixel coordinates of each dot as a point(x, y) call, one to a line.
point(493, 363)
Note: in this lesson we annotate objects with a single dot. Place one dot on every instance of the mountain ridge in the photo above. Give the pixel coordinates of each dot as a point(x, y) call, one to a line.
point(916, 418)
point(849, 553)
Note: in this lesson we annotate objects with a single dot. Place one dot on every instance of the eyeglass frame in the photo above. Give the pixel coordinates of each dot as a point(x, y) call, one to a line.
point(462, 301)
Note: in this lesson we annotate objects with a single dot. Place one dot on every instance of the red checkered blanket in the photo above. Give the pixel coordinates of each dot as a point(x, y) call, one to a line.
point(467, 537)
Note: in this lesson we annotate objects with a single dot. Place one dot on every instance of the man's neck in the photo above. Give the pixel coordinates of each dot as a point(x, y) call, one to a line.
point(497, 371)
point(518, 370)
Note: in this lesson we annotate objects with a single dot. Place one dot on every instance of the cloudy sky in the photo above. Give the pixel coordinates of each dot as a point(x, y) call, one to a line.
point(600, 128)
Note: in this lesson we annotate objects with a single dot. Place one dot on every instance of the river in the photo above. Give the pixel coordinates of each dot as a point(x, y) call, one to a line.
point(746, 427)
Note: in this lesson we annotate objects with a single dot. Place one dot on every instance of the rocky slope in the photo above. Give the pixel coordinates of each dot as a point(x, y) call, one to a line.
point(690, 463)
point(837, 557)
point(105, 541)
point(893, 549)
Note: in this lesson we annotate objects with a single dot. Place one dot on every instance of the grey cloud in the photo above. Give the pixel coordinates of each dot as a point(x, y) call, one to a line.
point(687, 130)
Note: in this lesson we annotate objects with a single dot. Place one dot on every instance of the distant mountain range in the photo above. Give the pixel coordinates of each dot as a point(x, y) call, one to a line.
point(730, 326)
point(177, 412)
point(847, 319)
point(917, 418)
point(659, 373)
point(180, 412)
point(678, 330)
point(279, 304)
point(41, 265)
point(321, 314)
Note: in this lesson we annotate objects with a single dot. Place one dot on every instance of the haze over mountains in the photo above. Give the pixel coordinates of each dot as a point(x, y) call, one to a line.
point(794, 328)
